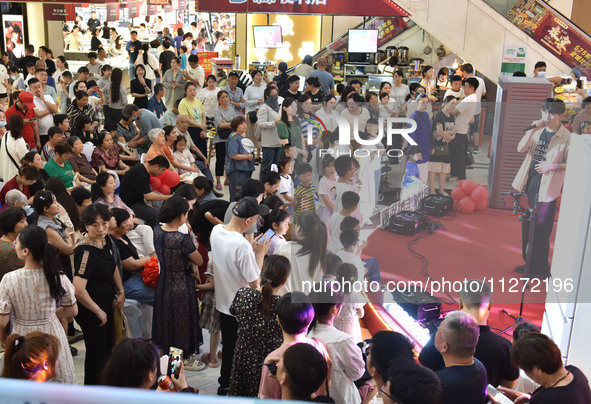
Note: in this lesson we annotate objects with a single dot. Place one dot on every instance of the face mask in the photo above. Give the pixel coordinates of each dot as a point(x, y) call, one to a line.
point(542, 75)
point(134, 118)
point(2, 124)
point(14, 77)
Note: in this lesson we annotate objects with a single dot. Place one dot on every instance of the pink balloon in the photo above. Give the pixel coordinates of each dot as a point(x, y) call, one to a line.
point(480, 194)
point(469, 186)
point(466, 204)
point(481, 205)
point(457, 193)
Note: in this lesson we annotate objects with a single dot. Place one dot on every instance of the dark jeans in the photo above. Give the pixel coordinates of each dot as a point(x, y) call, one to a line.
point(237, 179)
point(220, 158)
point(372, 269)
point(271, 155)
point(146, 213)
point(204, 169)
point(229, 329)
point(544, 223)
point(457, 155)
point(98, 341)
point(200, 143)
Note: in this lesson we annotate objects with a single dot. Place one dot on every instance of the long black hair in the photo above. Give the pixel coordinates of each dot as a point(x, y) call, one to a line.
point(313, 240)
point(276, 270)
point(35, 239)
point(57, 187)
point(116, 77)
point(100, 181)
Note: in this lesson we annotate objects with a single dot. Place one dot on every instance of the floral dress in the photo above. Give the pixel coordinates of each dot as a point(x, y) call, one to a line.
point(108, 159)
point(258, 335)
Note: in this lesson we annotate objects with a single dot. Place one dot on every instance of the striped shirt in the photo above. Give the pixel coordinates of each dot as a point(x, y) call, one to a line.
point(305, 197)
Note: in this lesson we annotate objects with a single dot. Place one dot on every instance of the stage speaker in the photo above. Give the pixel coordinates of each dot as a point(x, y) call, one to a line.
point(407, 223)
point(437, 205)
point(420, 305)
point(519, 101)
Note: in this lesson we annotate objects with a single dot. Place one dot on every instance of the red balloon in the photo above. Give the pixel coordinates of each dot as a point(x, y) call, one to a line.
point(171, 179)
point(163, 175)
point(155, 183)
point(164, 189)
point(480, 194)
point(466, 204)
point(481, 205)
point(469, 186)
point(461, 183)
point(457, 193)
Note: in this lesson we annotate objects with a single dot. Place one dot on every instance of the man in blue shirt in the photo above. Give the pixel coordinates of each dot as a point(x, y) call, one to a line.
point(133, 48)
point(156, 103)
point(325, 77)
point(235, 93)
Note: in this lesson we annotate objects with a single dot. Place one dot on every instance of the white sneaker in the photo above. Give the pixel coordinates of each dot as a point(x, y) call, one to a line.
point(476, 150)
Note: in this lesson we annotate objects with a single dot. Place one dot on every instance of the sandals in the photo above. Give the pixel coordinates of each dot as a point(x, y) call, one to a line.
point(194, 364)
point(205, 359)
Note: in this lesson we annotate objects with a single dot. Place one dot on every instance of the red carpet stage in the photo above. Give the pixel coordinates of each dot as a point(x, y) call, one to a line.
point(485, 244)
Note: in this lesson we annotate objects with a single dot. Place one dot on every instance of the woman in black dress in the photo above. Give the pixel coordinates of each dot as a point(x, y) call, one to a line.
point(140, 87)
point(99, 289)
point(176, 310)
point(444, 131)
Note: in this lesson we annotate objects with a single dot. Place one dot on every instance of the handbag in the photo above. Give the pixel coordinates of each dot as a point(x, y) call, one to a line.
point(469, 158)
point(441, 149)
point(224, 134)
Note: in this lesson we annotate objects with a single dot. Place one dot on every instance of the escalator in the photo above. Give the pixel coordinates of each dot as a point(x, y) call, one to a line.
point(475, 30)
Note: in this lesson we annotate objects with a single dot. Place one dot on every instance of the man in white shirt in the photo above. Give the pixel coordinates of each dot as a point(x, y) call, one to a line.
point(458, 147)
point(94, 67)
point(195, 73)
point(45, 107)
point(3, 83)
point(480, 92)
point(41, 75)
point(238, 265)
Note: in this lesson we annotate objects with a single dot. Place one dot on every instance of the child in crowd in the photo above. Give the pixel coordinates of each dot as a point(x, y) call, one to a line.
point(327, 189)
point(271, 181)
point(183, 57)
point(411, 184)
point(277, 220)
point(333, 262)
point(210, 317)
point(350, 204)
point(304, 199)
point(586, 128)
point(63, 90)
point(285, 190)
point(169, 117)
point(347, 168)
point(456, 89)
point(239, 156)
point(351, 251)
point(347, 320)
point(290, 151)
point(182, 155)
point(386, 108)
point(347, 361)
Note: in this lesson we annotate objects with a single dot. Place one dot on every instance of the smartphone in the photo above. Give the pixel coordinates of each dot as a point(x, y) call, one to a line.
point(497, 395)
point(268, 235)
point(175, 359)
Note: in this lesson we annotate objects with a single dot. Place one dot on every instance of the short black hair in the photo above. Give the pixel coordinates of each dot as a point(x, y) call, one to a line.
point(295, 313)
point(32, 81)
point(413, 383)
point(387, 347)
point(54, 130)
point(472, 82)
point(110, 126)
point(306, 370)
point(80, 194)
point(539, 64)
point(91, 55)
point(303, 168)
point(553, 106)
point(348, 238)
point(158, 87)
point(350, 199)
point(342, 164)
point(195, 59)
point(467, 68)
point(63, 148)
point(354, 81)
point(10, 217)
point(519, 74)
point(272, 177)
point(83, 69)
point(455, 78)
point(160, 161)
point(349, 222)
point(293, 79)
point(411, 150)
point(333, 261)
point(524, 328)
point(536, 349)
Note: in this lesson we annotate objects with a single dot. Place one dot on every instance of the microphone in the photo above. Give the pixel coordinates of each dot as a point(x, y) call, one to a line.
point(530, 127)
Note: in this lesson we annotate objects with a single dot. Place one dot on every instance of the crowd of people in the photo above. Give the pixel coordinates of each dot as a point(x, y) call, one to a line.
point(85, 213)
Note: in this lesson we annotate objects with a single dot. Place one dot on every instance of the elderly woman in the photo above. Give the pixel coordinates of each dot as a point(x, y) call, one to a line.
point(105, 156)
point(159, 146)
point(79, 162)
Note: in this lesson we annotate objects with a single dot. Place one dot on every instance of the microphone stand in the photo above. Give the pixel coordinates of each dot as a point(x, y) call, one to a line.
point(528, 214)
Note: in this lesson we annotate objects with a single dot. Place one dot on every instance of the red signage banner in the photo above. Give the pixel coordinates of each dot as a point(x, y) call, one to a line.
point(112, 12)
point(151, 9)
point(134, 9)
point(54, 12)
point(70, 12)
point(159, 2)
point(554, 32)
point(205, 61)
point(323, 7)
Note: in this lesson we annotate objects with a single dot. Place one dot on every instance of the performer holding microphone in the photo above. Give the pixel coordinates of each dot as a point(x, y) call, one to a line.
point(541, 177)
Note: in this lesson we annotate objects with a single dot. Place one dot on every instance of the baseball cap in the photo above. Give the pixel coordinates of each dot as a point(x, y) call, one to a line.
point(249, 207)
point(233, 73)
point(27, 98)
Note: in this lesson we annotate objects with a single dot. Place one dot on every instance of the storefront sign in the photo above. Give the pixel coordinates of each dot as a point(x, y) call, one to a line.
point(159, 2)
point(388, 29)
point(112, 12)
point(554, 32)
point(54, 12)
point(151, 9)
point(513, 59)
point(326, 7)
point(205, 61)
